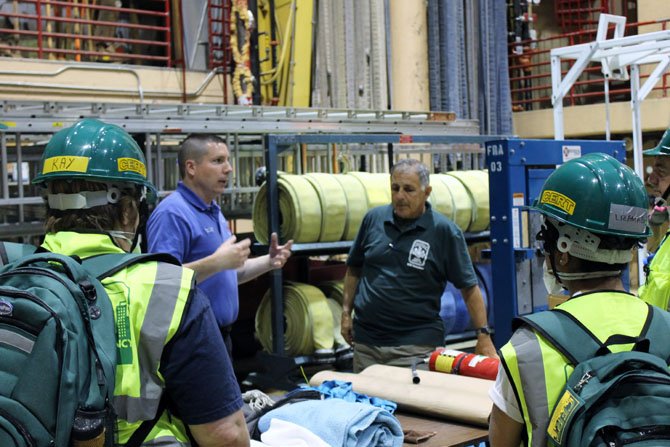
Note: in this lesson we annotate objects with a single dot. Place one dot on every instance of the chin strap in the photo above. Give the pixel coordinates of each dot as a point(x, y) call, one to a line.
point(141, 228)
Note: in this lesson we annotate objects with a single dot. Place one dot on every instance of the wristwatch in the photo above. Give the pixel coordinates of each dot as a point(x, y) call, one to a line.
point(483, 330)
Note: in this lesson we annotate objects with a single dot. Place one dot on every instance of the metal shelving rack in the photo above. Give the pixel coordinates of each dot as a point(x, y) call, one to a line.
point(274, 145)
point(29, 125)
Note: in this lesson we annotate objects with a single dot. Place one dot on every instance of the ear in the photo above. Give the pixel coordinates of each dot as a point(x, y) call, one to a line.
point(130, 220)
point(190, 167)
point(428, 190)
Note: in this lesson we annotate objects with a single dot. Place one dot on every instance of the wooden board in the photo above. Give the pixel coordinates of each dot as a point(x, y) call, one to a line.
point(447, 434)
point(446, 396)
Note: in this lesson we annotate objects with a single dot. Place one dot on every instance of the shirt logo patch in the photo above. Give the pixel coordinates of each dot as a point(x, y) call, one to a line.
point(418, 254)
point(209, 230)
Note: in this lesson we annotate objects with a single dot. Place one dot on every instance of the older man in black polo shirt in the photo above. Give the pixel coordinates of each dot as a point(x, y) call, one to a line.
point(398, 267)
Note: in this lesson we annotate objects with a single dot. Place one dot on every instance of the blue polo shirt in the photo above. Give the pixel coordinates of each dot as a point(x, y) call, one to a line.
point(184, 226)
point(404, 270)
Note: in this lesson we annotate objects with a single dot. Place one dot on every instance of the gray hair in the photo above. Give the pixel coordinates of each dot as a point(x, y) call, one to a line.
point(194, 147)
point(411, 164)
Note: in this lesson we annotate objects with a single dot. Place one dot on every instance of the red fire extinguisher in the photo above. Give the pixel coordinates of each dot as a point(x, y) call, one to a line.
point(457, 362)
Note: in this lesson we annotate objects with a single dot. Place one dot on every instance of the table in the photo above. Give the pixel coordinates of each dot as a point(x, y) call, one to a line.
point(449, 433)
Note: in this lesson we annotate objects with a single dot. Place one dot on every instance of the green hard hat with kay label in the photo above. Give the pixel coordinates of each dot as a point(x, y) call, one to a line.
point(96, 151)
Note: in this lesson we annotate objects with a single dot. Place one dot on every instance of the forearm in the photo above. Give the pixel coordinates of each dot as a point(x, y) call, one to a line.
point(474, 301)
point(229, 431)
point(351, 279)
point(253, 268)
point(204, 268)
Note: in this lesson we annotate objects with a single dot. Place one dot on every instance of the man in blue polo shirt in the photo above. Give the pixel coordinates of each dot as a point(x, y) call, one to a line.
point(189, 225)
point(397, 270)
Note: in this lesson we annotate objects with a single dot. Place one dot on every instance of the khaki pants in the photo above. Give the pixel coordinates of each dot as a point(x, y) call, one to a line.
point(366, 355)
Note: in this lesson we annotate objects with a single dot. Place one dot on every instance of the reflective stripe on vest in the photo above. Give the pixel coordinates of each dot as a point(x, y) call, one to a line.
point(533, 390)
point(538, 372)
point(146, 325)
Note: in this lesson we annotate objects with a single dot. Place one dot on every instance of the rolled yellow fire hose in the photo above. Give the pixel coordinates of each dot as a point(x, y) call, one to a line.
point(357, 204)
point(333, 289)
point(308, 320)
point(299, 208)
point(462, 203)
point(377, 187)
point(333, 205)
point(476, 184)
point(440, 197)
point(336, 311)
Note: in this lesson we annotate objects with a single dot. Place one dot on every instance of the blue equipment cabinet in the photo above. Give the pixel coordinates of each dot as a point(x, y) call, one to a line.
point(517, 171)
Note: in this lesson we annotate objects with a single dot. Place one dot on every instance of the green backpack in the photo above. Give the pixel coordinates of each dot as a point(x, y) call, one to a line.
point(58, 351)
point(610, 399)
point(11, 251)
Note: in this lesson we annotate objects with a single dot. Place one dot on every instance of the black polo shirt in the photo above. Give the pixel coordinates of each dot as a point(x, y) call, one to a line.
point(404, 272)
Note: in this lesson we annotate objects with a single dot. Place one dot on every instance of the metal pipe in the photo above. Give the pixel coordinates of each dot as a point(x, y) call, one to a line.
point(3, 159)
point(84, 21)
point(99, 7)
point(191, 61)
point(19, 172)
point(71, 87)
point(140, 90)
point(41, 34)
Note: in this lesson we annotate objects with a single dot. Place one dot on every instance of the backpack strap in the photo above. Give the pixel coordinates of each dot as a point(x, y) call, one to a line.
point(102, 266)
point(657, 332)
point(139, 435)
point(565, 333)
point(577, 343)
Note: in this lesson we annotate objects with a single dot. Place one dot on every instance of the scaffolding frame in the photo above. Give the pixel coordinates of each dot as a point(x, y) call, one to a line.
point(615, 55)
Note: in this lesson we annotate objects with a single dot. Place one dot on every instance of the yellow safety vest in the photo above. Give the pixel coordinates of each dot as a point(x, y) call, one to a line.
point(656, 289)
point(538, 372)
point(148, 301)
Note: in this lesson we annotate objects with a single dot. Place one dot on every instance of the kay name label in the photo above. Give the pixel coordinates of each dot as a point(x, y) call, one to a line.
point(65, 163)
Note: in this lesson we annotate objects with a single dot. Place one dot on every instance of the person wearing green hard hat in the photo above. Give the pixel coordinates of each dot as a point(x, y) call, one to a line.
point(656, 288)
point(177, 376)
point(658, 180)
point(594, 211)
point(108, 162)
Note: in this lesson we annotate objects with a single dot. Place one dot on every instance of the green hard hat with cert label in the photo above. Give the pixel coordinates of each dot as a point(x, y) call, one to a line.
point(598, 193)
point(663, 146)
point(95, 151)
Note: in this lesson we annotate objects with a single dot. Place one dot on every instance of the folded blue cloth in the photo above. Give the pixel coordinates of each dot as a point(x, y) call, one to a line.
point(340, 389)
point(341, 423)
